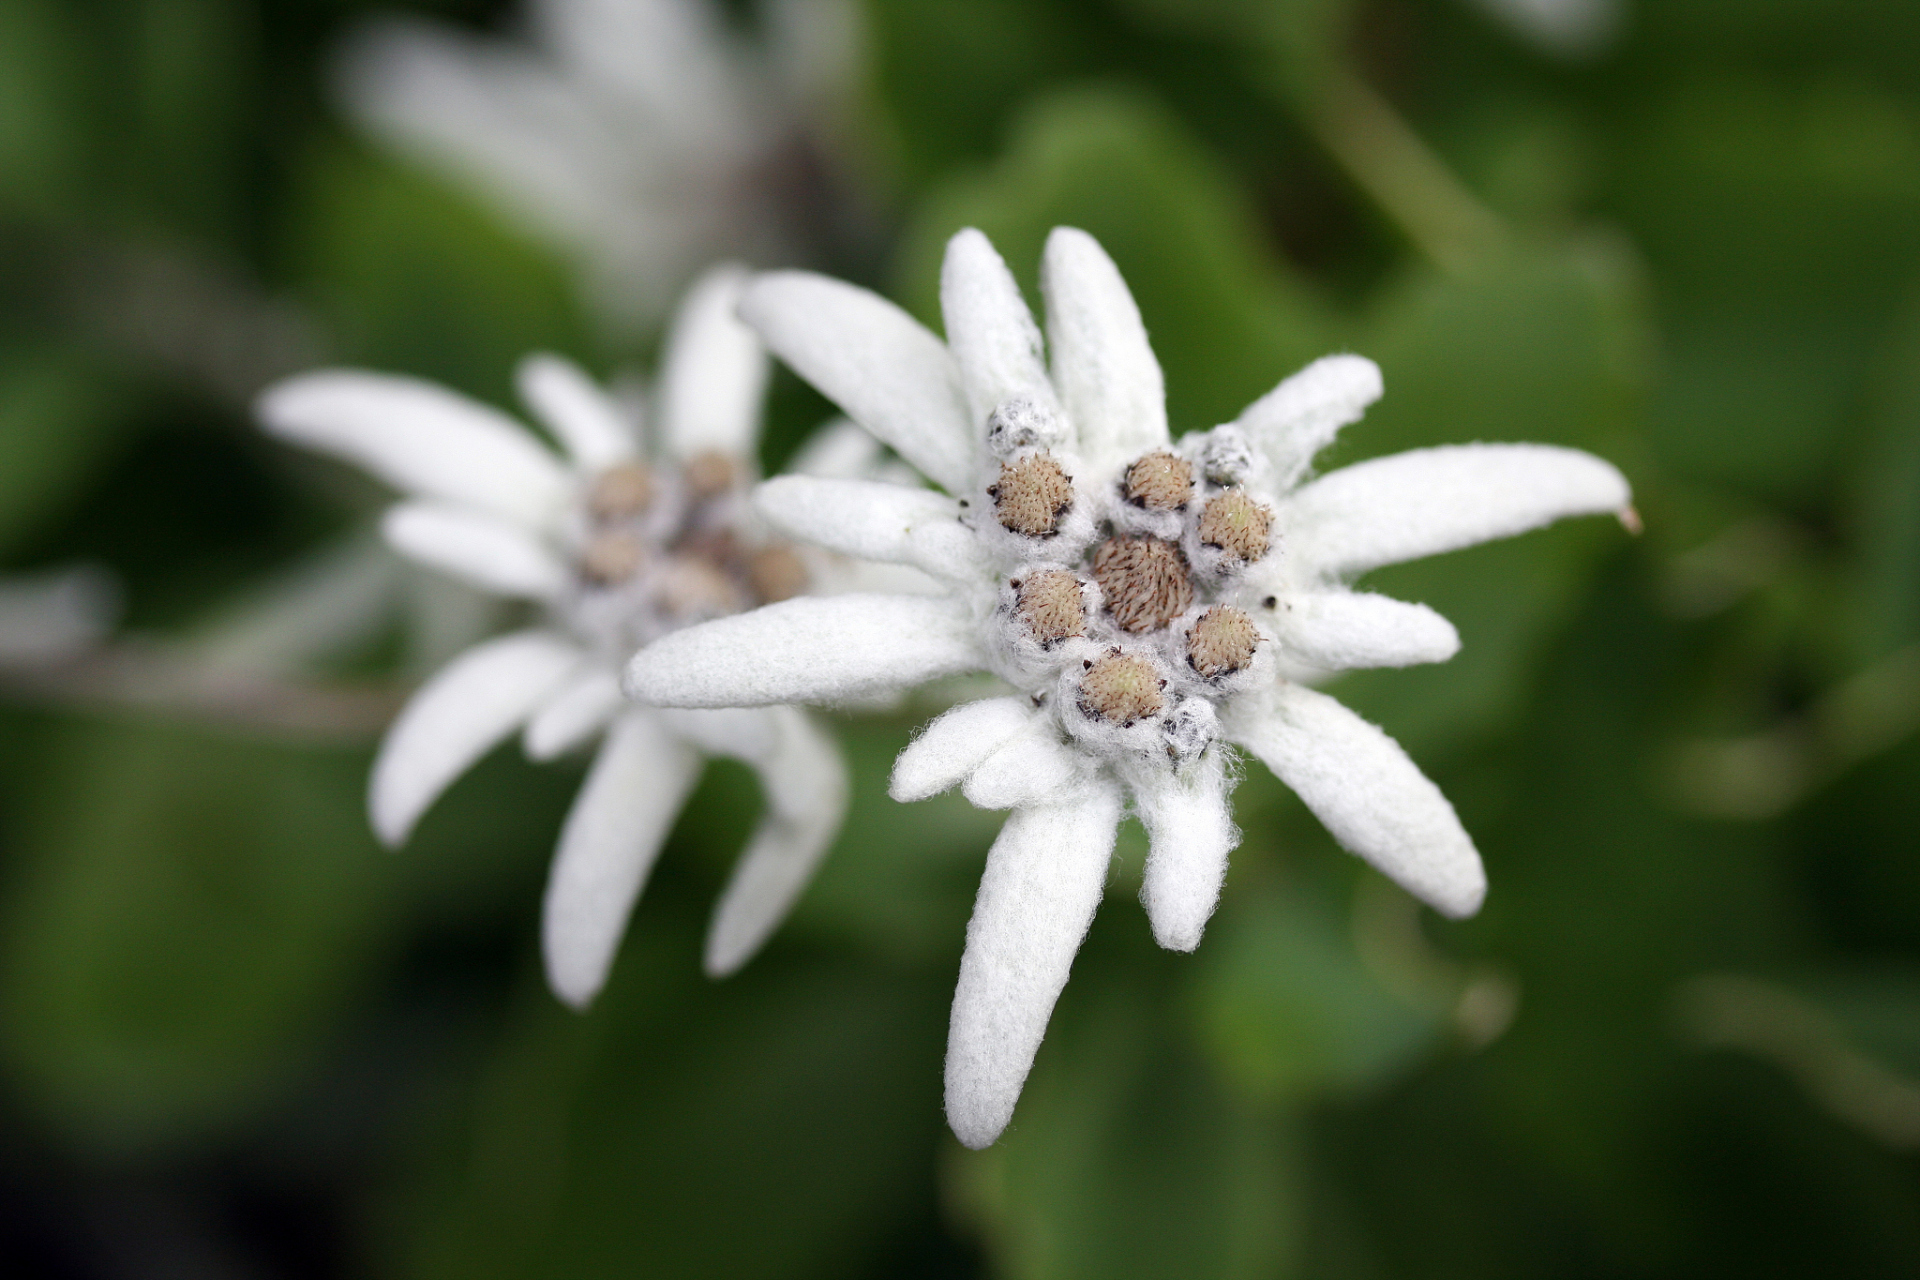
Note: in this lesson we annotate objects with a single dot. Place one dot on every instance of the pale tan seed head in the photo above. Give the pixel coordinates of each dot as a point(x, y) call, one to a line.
point(692, 587)
point(612, 558)
point(1121, 688)
point(1237, 524)
point(1221, 641)
point(1051, 606)
point(621, 492)
point(708, 474)
point(776, 572)
point(1031, 495)
point(1145, 581)
point(1160, 481)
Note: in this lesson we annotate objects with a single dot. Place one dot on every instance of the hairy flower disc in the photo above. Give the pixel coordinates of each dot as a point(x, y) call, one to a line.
point(1031, 495)
point(1221, 642)
point(1160, 481)
point(1121, 688)
point(612, 558)
point(621, 492)
point(1051, 606)
point(708, 474)
point(776, 572)
point(1237, 524)
point(1145, 581)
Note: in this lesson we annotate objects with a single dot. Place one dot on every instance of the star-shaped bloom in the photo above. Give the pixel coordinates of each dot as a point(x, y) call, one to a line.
point(616, 548)
point(1153, 604)
point(638, 136)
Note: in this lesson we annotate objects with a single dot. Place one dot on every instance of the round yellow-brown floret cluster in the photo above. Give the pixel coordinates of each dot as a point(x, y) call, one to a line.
point(1031, 495)
point(1160, 481)
point(1050, 603)
point(1121, 688)
point(1237, 524)
point(1146, 581)
point(1221, 642)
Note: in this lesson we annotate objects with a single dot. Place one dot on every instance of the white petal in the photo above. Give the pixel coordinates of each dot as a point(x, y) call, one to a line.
point(485, 550)
point(806, 788)
point(1103, 365)
point(1336, 630)
point(1301, 416)
point(873, 360)
point(839, 450)
point(807, 650)
point(1043, 879)
point(613, 834)
point(989, 329)
point(872, 520)
point(1034, 768)
point(589, 425)
point(456, 717)
point(715, 372)
point(1372, 798)
point(1190, 832)
point(1426, 501)
point(420, 438)
point(578, 710)
point(954, 746)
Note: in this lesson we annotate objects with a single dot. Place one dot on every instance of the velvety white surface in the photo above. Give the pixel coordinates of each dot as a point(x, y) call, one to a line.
point(715, 372)
point(1190, 832)
point(580, 708)
point(1043, 879)
point(420, 438)
point(456, 717)
point(1301, 416)
point(488, 552)
point(1103, 366)
point(612, 836)
point(873, 520)
point(807, 650)
point(1341, 630)
point(990, 329)
point(954, 745)
point(589, 426)
point(875, 361)
point(1370, 796)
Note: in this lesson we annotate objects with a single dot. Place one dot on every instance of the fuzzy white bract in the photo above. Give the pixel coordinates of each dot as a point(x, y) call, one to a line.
point(617, 549)
point(639, 136)
point(1153, 603)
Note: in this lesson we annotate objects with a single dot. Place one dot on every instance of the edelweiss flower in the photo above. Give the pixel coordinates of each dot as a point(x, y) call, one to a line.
point(618, 550)
point(637, 135)
point(1152, 603)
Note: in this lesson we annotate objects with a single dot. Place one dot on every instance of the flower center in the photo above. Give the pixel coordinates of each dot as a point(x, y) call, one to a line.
point(621, 492)
point(612, 558)
point(1145, 580)
point(1031, 495)
point(1236, 524)
point(1160, 482)
point(1050, 603)
point(1221, 642)
point(708, 475)
point(1121, 688)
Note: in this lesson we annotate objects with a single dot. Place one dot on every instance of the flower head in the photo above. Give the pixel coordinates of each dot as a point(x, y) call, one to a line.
point(1153, 603)
point(639, 136)
point(617, 547)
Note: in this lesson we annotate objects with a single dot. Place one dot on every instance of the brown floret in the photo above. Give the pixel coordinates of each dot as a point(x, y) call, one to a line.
point(1221, 642)
point(1160, 482)
point(1237, 525)
point(776, 572)
point(707, 474)
point(1121, 688)
point(1145, 581)
point(612, 558)
point(1051, 605)
point(1031, 495)
point(621, 491)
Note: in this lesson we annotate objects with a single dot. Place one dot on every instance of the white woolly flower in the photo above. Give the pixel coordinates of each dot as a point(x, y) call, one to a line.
point(617, 549)
point(638, 136)
point(1152, 603)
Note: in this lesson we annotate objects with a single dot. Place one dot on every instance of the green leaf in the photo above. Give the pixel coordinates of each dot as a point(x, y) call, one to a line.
point(195, 913)
point(58, 416)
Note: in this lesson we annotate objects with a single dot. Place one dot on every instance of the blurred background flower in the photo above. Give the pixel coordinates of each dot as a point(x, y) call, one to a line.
point(236, 1038)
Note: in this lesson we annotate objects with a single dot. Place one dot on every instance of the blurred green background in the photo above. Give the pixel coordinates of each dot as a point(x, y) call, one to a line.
point(1683, 1038)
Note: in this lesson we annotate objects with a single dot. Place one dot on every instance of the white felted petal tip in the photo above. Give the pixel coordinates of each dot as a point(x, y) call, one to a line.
point(955, 745)
point(1043, 879)
point(1301, 416)
point(1103, 365)
point(612, 836)
point(807, 650)
point(872, 520)
point(455, 718)
point(1190, 832)
point(1427, 501)
point(989, 329)
point(420, 438)
point(715, 373)
point(487, 551)
point(1034, 768)
point(1340, 630)
point(806, 787)
point(578, 709)
point(589, 425)
point(875, 361)
point(1370, 796)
